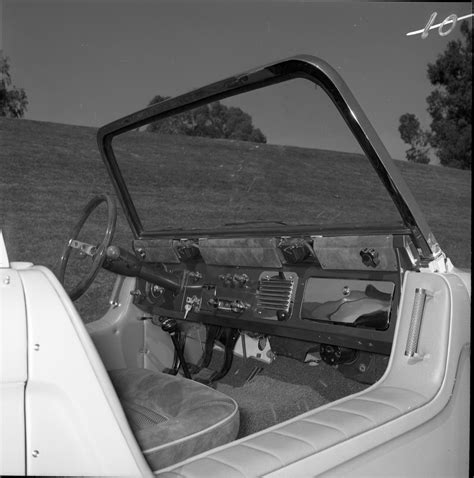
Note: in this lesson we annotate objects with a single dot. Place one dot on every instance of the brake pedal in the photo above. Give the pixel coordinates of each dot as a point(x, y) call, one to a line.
point(205, 375)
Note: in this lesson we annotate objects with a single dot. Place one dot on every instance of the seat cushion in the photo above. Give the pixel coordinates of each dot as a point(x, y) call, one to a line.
point(174, 418)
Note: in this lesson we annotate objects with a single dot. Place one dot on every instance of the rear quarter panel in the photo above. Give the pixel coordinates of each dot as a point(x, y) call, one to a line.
point(13, 373)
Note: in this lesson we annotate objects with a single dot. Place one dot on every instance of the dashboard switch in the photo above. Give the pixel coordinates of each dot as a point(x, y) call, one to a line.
point(228, 305)
point(238, 306)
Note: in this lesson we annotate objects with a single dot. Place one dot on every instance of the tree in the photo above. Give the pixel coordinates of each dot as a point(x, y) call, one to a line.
point(412, 134)
point(213, 120)
point(449, 105)
point(13, 100)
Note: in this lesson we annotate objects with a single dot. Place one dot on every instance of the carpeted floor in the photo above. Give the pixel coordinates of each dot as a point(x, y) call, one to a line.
point(281, 390)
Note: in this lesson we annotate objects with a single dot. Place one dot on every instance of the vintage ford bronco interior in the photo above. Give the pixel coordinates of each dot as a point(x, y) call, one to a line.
point(240, 280)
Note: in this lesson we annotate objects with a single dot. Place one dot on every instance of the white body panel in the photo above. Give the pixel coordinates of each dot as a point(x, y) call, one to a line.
point(430, 450)
point(13, 372)
point(74, 422)
point(119, 334)
point(124, 338)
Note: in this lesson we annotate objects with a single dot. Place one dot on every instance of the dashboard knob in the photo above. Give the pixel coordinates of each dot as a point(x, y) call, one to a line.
point(282, 315)
point(240, 279)
point(195, 276)
point(370, 257)
point(214, 302)
point(227, 279)
point(187, 250)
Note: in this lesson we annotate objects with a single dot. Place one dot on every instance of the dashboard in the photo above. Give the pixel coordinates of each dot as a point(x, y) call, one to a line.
point(329, 290)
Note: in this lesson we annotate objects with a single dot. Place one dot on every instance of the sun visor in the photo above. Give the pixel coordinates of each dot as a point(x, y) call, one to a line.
point(356, 252)
point(249, 252)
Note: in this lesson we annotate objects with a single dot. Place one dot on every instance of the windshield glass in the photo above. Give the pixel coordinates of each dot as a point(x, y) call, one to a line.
point(311, 169)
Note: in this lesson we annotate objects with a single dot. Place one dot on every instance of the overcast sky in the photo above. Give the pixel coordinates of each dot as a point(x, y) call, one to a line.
point(90, 62)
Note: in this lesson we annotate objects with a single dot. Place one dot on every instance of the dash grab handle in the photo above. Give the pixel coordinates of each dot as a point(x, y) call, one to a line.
point(415, 323)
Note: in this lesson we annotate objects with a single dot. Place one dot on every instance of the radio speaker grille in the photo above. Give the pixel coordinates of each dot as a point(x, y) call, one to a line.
point(275, 293)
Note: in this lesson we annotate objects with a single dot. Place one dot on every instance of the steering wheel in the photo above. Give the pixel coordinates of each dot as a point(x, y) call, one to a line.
point(97, 253)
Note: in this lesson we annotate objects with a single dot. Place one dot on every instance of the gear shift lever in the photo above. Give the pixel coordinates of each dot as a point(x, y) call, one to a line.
point(171, 327)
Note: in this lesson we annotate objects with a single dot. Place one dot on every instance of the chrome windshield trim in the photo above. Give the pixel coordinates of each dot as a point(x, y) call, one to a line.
point(303, 66)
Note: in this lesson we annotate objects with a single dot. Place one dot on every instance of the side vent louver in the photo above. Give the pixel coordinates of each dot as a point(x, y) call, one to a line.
point(275, 295)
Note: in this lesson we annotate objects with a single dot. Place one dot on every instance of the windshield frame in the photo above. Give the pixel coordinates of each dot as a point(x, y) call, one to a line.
point(305, 67)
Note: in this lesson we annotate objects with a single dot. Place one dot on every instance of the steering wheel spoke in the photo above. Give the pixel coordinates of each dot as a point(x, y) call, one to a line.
point(84, 248)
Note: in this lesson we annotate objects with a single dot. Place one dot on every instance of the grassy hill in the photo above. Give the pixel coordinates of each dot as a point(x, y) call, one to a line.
point(49, 171)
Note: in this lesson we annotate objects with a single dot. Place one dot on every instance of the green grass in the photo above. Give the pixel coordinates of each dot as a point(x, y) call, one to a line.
point(49, 171)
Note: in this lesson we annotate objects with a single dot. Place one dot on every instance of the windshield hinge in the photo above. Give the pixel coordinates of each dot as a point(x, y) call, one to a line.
point(440, 263)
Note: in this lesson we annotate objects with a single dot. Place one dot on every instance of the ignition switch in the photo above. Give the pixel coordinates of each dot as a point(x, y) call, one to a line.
point(192, 304)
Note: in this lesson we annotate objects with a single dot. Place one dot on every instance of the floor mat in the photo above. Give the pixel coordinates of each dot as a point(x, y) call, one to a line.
point(281, 390)
point(266, 401)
